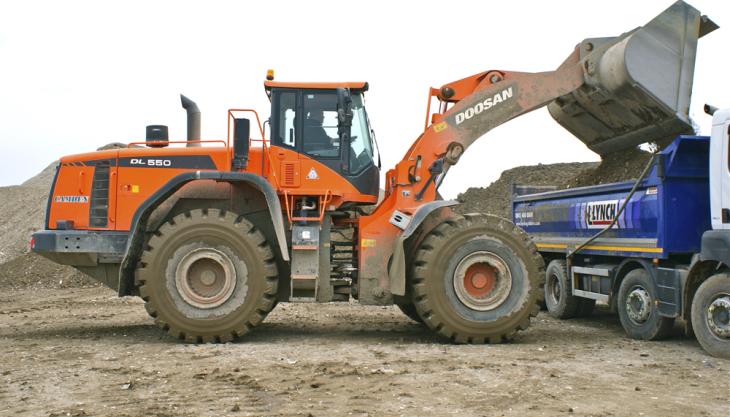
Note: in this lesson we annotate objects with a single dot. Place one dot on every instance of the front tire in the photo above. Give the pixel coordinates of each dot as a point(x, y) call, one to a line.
point(637, 308)
point(207, 276)
point(711, 315)
point(476, 279)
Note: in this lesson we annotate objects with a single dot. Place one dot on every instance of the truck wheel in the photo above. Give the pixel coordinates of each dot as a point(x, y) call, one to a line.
point(711, 315)
point(410, 311)
point(476, 279)
point(207, 276)
point(561, 304)
point(637, 308)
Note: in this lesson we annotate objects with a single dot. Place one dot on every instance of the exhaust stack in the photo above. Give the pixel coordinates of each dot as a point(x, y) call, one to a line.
point(193, 120)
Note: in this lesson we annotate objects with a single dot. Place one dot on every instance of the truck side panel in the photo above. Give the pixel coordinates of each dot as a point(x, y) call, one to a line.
point(667, 215)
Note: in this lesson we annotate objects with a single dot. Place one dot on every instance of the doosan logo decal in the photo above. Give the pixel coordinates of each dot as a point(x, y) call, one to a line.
point(483, 105)
point(71, 199)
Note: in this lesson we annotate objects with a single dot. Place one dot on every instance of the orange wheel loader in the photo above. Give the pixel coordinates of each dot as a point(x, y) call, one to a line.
point(213, 233)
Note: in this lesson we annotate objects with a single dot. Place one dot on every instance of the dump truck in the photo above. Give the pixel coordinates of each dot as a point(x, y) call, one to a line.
point(211, 234)
point(655, 250)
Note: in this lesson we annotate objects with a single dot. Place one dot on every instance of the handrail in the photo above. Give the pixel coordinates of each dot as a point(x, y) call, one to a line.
point(266, 150)
point(323, 200)
point(258, 122)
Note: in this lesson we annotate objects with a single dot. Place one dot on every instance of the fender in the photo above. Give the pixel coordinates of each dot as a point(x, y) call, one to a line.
point(397, 268)
point(664, 297)
point(134, 243)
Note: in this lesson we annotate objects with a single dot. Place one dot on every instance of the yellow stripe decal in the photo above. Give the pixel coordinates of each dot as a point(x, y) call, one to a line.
point(606, 248)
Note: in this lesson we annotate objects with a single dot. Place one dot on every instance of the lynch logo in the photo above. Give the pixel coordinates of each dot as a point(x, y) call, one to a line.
point(485, 104)
point(600, 214)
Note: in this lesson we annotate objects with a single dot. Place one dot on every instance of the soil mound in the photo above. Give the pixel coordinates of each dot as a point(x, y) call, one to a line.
point(495, 198)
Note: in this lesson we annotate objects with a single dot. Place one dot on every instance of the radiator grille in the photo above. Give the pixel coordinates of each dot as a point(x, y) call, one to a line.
point(99, 207)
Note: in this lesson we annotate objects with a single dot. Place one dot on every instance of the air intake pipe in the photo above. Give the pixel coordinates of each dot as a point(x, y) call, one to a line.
point(193, 120)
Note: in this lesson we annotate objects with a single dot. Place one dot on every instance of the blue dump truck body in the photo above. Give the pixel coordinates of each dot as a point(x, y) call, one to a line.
point(665, 217)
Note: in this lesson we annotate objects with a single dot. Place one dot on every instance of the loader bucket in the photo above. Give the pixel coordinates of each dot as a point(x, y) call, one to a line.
point(638, 85)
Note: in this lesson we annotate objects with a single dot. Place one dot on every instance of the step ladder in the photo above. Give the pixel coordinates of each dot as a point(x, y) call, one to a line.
point(304, 263)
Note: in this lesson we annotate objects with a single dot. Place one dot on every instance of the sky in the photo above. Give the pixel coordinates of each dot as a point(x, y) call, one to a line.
point(77, 75)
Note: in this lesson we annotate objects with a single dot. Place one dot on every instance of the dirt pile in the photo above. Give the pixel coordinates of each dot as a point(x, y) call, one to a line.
point(31, 271)
point(495, 199)
point(22, 212)
point(616, 167)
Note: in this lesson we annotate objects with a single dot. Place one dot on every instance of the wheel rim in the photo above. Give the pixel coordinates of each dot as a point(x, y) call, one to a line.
point(718, 316)
point(638, 305)
point(205, 278)
point(482, 281)
point(553, 286)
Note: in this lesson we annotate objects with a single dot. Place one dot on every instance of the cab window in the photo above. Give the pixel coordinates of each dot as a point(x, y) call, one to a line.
point(320, 125)
point(286, 132)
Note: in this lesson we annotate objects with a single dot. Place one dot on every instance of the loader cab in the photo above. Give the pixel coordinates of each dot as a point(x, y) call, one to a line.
point(304, 120)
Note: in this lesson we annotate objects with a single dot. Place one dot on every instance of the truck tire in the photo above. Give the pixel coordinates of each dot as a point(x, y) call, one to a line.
point(410, 311)
point(476, 279)
point(561, 304)
point(637, 308)
point(711, 315)
point(207, 276)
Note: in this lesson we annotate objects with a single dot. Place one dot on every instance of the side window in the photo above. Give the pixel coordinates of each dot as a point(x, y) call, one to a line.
point(361, 151)
point(320, 125)
point(286, 129)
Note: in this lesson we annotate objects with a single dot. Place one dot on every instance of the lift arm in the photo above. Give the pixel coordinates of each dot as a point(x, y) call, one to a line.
point(606, 92)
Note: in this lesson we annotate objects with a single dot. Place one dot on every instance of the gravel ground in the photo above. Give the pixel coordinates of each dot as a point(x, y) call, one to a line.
point(78, 352)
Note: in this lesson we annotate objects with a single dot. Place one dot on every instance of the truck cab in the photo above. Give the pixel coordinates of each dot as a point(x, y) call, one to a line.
point(720, 170)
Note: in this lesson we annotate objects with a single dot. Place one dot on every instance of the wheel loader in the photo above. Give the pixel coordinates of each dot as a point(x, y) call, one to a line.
point(212, 234)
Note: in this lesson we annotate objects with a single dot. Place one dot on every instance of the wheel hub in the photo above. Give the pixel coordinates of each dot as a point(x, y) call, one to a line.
point(718, 316)
point(205, 278)
point(482, 281)
point(638, 305)
point(554, 288)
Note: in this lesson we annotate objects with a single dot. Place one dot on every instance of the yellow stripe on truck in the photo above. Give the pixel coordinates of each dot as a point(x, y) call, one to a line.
point(605, 248)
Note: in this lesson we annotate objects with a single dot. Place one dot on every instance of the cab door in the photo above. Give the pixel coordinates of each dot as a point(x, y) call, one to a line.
point(285, 136)
point(720, 170)
point(304, 137)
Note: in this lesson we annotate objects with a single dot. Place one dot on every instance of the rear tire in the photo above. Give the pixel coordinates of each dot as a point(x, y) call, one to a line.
point(637, 308)
point(208, 276)
point(476, 279)
point(561, 304)
point(711, 315)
